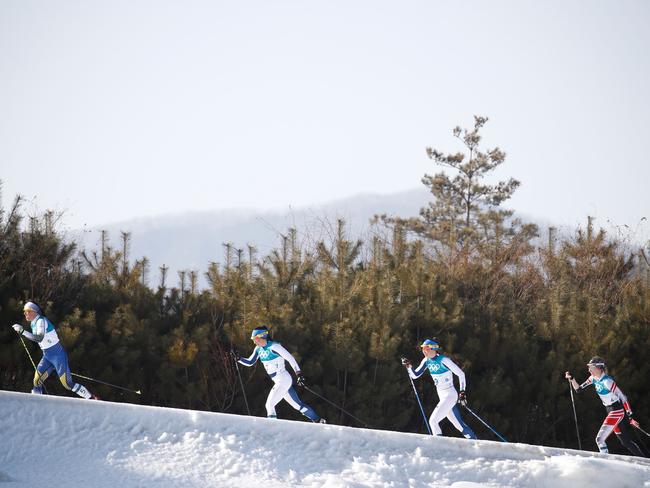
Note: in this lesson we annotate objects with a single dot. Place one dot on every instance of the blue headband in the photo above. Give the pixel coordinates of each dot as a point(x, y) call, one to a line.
point(429, 344)
point(262, 333)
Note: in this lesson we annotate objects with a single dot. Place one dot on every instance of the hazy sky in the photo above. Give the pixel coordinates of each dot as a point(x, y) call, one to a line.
point(121, 109)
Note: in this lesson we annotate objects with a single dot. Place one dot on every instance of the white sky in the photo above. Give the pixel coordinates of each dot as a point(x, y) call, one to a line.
point(121, 109)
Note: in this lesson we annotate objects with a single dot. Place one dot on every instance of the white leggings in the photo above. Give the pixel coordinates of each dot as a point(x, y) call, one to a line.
point(283, 390)
point(279, 392)
point(448, 399)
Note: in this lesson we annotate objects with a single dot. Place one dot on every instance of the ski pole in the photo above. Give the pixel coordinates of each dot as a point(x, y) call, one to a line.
point(32, 361)
point(575, 415)
point(640, 438)
point(137, 392)
point(417, 397)
point(336, 406)
point(503, 439)
point(241, 382)
point(27, 351)
point(641, 430)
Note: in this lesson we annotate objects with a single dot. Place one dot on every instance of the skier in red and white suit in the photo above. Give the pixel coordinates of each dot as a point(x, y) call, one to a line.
point(619, 413)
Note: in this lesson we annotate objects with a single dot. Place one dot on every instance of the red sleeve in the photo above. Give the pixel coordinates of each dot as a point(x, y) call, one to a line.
point(621, 396)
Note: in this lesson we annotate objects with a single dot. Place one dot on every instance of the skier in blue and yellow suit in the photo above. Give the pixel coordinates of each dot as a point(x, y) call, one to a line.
point(54, 356)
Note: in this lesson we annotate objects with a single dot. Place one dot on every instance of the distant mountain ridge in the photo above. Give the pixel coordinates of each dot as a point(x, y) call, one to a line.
point(191, 240)
point(194, 239)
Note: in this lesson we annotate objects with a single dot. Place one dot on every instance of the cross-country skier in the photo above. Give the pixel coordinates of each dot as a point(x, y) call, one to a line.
point(619, 413)
point(273, 356)
point(442, 370)
point(54, 356)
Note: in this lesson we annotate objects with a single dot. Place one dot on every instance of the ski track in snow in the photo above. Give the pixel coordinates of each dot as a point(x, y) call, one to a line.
point(67, 442)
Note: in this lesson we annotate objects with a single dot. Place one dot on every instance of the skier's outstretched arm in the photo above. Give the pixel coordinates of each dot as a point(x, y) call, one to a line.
point(419, 371)
point(40, 331)
point(577, 387)
point(250, 360)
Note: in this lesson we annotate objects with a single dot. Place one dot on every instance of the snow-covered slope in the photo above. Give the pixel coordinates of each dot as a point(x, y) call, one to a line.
point(50, 442)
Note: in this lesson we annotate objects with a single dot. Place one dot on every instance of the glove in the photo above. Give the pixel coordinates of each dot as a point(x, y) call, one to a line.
point(19, 328)
point(633, 423)
point(406, 363)
point(568, 376)
point(300, 380)
point(235, 355)
point(462, 398)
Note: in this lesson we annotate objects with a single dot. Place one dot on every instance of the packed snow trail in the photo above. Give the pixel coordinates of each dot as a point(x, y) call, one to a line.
point(52, 442)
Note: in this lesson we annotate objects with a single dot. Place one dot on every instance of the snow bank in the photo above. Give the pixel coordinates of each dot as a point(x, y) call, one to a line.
point(55, 442)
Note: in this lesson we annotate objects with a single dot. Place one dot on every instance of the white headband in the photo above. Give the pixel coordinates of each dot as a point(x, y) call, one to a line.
point(33, 307)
